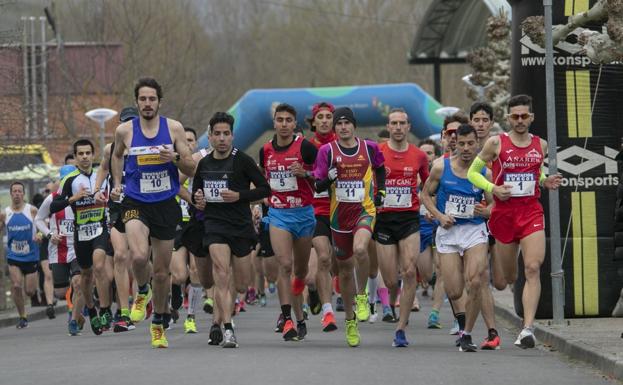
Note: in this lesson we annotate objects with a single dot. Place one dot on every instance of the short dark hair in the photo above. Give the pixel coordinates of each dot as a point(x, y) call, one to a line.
point(520, 100)
point(83, 142)
point(287, 108)
point(456, 117)
point(147, 82)
point(18, 183)
point(37, 200)
point(68, 157)
point(466, 129)
point(221, 117)
point(481, 106)
point(190, 129)
point(431, 142)
point(399, 109)
point(383, 133)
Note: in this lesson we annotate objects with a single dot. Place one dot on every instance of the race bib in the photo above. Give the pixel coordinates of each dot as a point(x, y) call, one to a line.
point(319, 195)
point(155, 182)
point(66, 227)
point(184, 207)
point(522, 184)
point(459, 206)
point(349, 191)
point(283, 181)
point(212, 190)
point(89, 231)
point(20, 247)
point(398, 197)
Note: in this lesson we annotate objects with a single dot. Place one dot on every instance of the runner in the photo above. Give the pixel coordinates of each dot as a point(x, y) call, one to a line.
point(90, 234)
point(462, 237)
point(517, 215)
point(346, 166)
point(321, 124)
point(287, 161)
point(150, 212)
point(222, 185)
point(62, 255)
point(397, 229)
point(22, 250)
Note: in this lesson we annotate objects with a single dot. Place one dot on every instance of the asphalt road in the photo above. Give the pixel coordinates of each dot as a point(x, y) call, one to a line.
point(44, 354)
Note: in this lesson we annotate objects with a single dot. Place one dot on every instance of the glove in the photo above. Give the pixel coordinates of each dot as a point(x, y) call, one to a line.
point(379, 199)
point(332, 174)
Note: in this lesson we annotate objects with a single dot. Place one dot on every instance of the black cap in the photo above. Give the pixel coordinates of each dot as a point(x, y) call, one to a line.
point(128, 113)
point(344, 113)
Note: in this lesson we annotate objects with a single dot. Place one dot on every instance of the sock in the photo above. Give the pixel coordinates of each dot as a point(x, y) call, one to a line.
point(176, 296)
point(125, 312)
point(492, 333)
point(393, 310)
point(194, 298)
point(157, 319)
point(460, 318)
point(104, 310)
point(465, 333)
point(299, 322)
point(143, 289)
point(373, 284)
point(286, 310)
point(384, 296)
point(228, 326)
point(92, 312)
point(327, 308)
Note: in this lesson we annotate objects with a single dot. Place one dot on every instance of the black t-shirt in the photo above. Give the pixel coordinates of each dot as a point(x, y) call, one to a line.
point(308, 151)
point(235, 173)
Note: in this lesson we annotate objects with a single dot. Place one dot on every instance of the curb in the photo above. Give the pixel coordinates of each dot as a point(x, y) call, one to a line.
point(36, 315)
point(574, 349)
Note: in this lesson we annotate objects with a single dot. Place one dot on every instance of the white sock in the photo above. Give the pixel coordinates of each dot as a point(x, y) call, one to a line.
point(373, 284)
point(194, 298)
point(327, 308)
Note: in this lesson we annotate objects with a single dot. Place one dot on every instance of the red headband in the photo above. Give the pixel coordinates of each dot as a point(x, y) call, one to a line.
point(318, 106)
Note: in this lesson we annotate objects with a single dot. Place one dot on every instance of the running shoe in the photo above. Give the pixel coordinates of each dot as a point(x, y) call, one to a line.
point(72, 328)
point(251, 297)
point(526, 339)
point(230, 339)
point(280, 322)
point(216, 335)
point(362, 310)
point(400, 339)
point(339, 304)
point(433, 320)
point(158, 338)
point(272, 288)
point(314, 302)
point(49, 311)
point(352, 333)
point(139, 307)
point(388, 316)
point(289, 331)
point(96, 325)
point(149, 309)
point(491, 342)
point(190, 326)
point(328, 323)
point(298, 285)
point(455, 328)
point(457, 342)
point(374, 316)
point(106, 320)
point(301, 330)
point(22, 323)
point(166, 321)
point(121, 325)
point(208, 305)
point(466, 344)
point(263, 300)
point(175, 315)
point(306, 311)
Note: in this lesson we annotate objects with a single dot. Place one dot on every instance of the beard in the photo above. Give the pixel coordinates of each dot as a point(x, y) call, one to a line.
point(149, 114)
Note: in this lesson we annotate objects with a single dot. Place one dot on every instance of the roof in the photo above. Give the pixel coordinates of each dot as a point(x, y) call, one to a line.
point(452, 28)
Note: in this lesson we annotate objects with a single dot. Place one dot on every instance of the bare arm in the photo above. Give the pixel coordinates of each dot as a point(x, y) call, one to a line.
point(430, 189)
point(116, 166)
point(490, 150)
point(186, 163)
point(104, 168)
point(42, 215)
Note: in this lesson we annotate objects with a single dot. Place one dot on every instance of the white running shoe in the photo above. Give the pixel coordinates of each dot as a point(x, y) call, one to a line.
point(526, 339)
point(455, 328)
point(229, 339)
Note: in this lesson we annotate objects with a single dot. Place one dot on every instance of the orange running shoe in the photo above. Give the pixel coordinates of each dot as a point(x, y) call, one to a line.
point(298, 285)
point(328, 323)
point(492, 342)
point(289, 331)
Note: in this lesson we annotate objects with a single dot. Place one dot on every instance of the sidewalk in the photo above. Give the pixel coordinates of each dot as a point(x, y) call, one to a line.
point(10, 317)
point(595, 341)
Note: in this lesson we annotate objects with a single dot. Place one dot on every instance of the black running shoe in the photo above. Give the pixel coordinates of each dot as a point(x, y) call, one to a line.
point(314, 302)
point(166, 321)
point(301, 329)
point(339, 304)
point(280, 322)
point(216, 335)
point(466, 344)
point(50, 312)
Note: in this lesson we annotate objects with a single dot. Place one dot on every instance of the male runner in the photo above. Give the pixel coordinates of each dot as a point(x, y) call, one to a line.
point(348, 167)
point(287, 161)
point(397, 229)
point(22, 250)
point(151, 213)
point(462, 237)
point(222, 182)
point(517, 216)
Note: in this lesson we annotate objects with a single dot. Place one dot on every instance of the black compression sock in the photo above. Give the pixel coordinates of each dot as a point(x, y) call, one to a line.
point(228, 326)
point(92, 312)
point(460, 318)
point(143, 289)
point(157, 319)
point(286, 310)
point(176, 296)
point(492, 332)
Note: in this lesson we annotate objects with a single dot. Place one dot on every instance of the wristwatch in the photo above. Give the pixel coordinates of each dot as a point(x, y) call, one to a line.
point(177, 157)
point(49, 235)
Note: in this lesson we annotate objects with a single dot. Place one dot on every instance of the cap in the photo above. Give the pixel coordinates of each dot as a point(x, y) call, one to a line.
point(344, 113)
point(128, 113)
point(66, 169)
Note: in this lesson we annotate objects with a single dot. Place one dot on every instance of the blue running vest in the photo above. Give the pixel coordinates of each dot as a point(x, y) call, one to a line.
point(457, 196)
point(20, 235)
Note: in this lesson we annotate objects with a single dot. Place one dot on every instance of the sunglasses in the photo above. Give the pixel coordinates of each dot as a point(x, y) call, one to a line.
point(522, 116)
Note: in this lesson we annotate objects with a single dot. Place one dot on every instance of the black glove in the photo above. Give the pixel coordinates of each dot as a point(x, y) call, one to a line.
point(379, 199)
